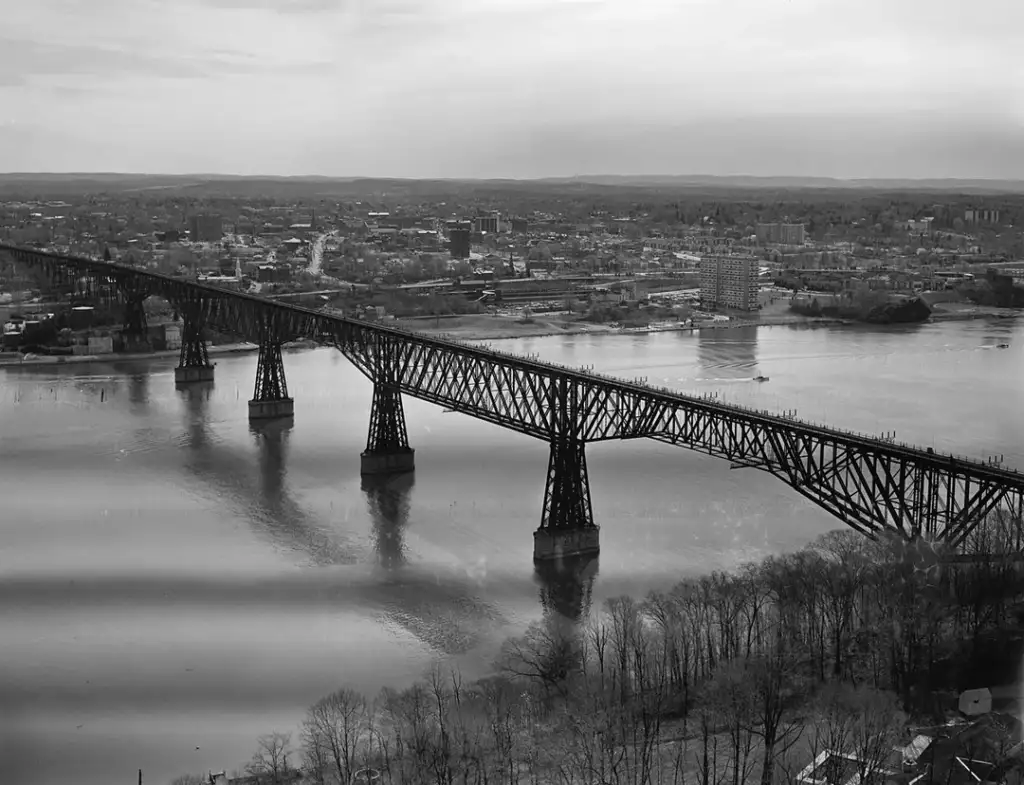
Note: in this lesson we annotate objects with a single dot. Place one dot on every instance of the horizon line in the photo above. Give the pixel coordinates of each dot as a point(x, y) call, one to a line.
point(506, 179)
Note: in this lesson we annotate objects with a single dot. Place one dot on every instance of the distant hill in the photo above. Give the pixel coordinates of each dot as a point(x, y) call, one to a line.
point(747, 181)
point(27, 184)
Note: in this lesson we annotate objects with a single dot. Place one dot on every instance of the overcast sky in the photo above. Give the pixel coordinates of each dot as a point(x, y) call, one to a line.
point(515, 88)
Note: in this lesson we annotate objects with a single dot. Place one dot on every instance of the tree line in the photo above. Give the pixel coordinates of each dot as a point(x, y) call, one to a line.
point(729, 678)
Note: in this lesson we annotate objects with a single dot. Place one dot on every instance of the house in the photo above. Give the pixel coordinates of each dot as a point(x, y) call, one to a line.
point(985, 751)
point(841, 768)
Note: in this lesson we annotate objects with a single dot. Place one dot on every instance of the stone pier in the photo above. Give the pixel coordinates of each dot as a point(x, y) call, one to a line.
point(191, 374)
point(268, 410)
point(555, 544)
point(396, 461)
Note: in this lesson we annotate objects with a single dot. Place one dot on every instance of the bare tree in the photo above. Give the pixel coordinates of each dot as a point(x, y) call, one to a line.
point(336, 722)
point(314, 753)
point(270, 761)
point(730, 695)
point(547, 655)
point(877, 727)
point(776, 690)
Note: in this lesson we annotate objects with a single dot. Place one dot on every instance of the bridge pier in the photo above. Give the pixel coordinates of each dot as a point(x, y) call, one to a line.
point(387, 444)
point(194, 361)
point(270, 399)
point(567, 527)
point(134, 329)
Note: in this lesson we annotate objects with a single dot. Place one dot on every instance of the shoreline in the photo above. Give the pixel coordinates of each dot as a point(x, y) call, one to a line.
point(505, 330)
point(16, 360)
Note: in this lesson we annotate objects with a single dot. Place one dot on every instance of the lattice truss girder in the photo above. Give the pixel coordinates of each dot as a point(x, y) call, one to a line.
point(867, 487)
point(870, 485)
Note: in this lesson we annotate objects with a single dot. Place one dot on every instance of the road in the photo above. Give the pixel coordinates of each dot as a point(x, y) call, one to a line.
point(316, 256)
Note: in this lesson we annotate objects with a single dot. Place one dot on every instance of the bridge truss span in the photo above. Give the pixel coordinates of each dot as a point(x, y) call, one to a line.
point(872, 485)
point(869, 484)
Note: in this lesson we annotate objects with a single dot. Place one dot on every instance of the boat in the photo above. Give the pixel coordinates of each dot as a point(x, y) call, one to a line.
point(1002, 346)
point(760, 378)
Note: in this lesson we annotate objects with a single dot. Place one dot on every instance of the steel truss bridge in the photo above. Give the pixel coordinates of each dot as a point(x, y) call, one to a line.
point(871, 484)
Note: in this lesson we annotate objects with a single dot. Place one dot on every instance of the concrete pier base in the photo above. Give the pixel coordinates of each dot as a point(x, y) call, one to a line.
point(190, 374)
point(391, 462)
point(549, 545)
point(271, 410)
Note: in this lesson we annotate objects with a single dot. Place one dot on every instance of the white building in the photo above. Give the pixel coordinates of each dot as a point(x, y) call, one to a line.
point(730, 282)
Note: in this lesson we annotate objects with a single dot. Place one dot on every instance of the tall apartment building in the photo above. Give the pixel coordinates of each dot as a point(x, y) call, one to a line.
point(458, 240)
point(490, 224)
point(982, 216)
point(729, 282)
point(780, 234)
point(206, 228)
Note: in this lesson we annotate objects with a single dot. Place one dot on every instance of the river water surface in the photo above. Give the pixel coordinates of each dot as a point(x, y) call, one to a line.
point(174, 584)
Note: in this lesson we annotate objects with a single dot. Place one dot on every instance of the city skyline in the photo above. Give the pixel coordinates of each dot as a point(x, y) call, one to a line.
point(514, 88)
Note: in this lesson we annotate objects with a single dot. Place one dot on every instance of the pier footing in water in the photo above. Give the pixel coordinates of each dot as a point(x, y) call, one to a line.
point(271, 410)
point(397, 461)
point(190, 374)
point(552, 544)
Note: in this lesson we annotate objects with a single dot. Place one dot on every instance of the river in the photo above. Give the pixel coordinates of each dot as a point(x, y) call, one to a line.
point(173, 584)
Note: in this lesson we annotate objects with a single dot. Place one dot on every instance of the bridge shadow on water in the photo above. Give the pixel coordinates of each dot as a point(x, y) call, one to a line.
point(265, 500)
point(566, 586)
point(442, 610)
point(387, 499)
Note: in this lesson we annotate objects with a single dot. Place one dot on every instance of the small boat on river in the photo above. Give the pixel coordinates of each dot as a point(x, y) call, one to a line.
point(760, 378)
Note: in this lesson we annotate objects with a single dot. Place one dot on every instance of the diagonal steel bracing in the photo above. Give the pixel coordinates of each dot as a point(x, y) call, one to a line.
point(270, 381)
point(133, 292)
point(195, 314)
point(870, 484)
point(387, 442)
point(567, 504)
point(387, 431)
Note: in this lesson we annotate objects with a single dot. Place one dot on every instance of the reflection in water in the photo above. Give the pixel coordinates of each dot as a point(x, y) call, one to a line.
point(98, 388)
point(264, 501)
point(138, 392)
point(197, 400)
point(387, 499)
point(274, 512)
point(272, 439)
point(566, 585)
point(734, 357)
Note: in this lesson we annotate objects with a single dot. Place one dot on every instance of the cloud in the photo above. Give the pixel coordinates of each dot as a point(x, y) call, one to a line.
point(529, 83)
point(23, 59)
point(275, 6)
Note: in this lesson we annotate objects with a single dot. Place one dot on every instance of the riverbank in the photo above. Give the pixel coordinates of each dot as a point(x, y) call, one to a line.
point(477, 327)
point(485, 327)
point(945, 312)
point(14, 358)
